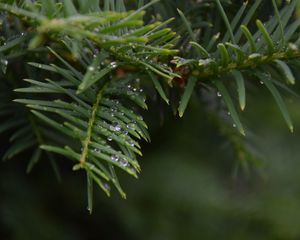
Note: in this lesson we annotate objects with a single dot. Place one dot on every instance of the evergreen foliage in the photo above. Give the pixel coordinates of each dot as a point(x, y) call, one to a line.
point(87, 66)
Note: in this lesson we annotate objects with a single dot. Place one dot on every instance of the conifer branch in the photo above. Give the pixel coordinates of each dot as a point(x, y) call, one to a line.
point(88, 62)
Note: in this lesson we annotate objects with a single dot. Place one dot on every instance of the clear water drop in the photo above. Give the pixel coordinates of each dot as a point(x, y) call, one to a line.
point(116, 127)
point(131, 126)
point(109, 138)
point(4, 64)
point(91, 68)
point(115, 158)
point(123, 162)
point(96, 150)
point(219, 94)
point(107, 186)
point(116, 102)
point(131, 143)
point(113, 64)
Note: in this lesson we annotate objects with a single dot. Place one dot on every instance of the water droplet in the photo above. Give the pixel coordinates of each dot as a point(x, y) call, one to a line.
point(107, 186)
point(234, 125)
point(116, 127)
point(254, 56)
point(219, 94)
point(130, 142)
point(4, 64)
point(116, 102)
point(125, 132)
point(131, 126)
point(293, 47)
point(96, 150)
point(228, 113)
point(115, 158)
point(113, 64)
point(123, 162)
point(91, 68)
point(109, 138)
point(261, 82)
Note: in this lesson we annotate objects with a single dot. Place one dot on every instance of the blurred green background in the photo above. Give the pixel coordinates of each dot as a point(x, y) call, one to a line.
point(187, 189)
